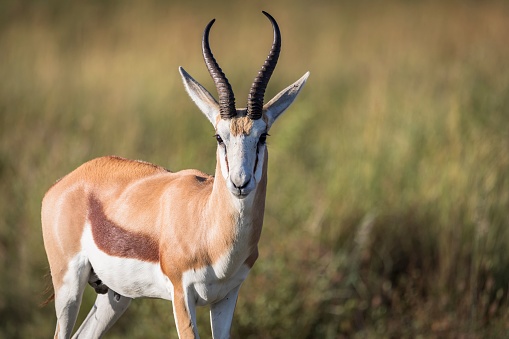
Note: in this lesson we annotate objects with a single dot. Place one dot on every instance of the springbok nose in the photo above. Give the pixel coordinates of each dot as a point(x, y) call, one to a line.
point(241, 182)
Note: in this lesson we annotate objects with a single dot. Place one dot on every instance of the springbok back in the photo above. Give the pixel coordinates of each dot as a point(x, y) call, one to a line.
point(131, 229)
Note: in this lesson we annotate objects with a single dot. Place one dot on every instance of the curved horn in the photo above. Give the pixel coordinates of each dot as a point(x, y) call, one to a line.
point(257, 92)
point(224, 90)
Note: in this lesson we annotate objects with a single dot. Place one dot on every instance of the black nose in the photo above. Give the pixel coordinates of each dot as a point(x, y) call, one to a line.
point(241, 182)
point(241, 186)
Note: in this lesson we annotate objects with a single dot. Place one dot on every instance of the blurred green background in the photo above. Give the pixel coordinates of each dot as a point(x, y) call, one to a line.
point(388, 200)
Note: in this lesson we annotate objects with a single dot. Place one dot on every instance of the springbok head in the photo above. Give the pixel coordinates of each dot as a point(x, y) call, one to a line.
point(241, 132)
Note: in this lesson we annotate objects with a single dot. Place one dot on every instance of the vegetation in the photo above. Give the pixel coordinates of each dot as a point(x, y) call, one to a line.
point(388, 198)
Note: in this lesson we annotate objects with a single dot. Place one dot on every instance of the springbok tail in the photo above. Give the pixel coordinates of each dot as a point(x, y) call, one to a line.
point(47, 290)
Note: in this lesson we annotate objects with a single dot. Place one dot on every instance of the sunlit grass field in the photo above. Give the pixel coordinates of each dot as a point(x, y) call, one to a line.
point(388, 201)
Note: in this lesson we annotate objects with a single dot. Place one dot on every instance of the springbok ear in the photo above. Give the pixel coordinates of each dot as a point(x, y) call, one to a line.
point(284, 99)
point(201, 97)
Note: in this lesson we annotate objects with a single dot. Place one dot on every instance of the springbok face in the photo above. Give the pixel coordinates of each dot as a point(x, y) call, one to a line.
point(241, 133)
point(241, 151)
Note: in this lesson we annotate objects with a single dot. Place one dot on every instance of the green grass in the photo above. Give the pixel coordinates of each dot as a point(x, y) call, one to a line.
point(388, 198)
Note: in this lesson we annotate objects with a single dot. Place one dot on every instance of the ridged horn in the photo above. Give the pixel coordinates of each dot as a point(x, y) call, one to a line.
point(224, 89)
point(257, 92)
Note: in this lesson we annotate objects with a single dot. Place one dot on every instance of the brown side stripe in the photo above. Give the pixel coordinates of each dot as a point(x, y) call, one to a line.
point(117, 242)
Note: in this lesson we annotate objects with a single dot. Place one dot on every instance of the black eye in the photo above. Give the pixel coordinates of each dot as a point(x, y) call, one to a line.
point(218, 138)
point(263, 138)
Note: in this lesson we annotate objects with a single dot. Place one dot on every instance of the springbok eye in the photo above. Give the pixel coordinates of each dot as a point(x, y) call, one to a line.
point(263, 138)
point(219, 140)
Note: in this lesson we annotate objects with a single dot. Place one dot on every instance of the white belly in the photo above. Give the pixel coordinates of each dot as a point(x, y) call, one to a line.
point(134, 278)
point(129, 277)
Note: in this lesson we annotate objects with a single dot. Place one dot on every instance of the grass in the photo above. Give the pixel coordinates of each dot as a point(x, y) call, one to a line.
point(388, 198)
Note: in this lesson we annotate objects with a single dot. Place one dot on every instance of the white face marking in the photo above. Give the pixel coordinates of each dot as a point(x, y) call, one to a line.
point(241, 156)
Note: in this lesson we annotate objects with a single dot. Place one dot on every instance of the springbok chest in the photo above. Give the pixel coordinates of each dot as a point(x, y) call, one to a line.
point(206, 285)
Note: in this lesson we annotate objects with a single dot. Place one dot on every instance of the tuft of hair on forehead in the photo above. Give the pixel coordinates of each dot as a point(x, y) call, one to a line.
point(241, 125)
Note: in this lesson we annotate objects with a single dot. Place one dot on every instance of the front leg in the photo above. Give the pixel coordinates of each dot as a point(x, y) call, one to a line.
point(184, 311)
point(221, 314)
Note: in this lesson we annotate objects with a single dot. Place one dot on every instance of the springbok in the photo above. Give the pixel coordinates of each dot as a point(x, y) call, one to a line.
point(132, 229)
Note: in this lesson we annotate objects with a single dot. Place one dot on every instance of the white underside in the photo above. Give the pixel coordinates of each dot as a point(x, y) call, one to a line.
point(208, 287)
point(134, 278)
point(128, 277)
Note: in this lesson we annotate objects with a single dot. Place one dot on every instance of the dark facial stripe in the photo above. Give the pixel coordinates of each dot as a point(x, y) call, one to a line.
point(116, 241)
point(256, 159)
